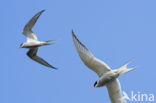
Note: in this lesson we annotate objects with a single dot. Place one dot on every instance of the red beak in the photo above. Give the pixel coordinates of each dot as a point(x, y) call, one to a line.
point(94, 87)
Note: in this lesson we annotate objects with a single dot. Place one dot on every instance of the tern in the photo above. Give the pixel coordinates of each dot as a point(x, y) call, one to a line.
point(107, 76)
point(32, 42)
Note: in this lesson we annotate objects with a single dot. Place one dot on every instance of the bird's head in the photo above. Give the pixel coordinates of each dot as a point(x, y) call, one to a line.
point(99, 83)
point(95, 85)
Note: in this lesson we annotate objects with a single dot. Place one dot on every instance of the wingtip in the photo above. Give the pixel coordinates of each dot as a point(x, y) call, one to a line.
point(41, 11)
point(73, 32)
point(54, 68)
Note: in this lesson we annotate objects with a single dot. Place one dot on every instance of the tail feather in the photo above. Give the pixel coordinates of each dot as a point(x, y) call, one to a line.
point(124, 69)
point(50, 41)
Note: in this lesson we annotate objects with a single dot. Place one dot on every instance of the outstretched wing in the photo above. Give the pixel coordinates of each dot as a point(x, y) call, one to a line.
point(32, 53)
point(27, 31)
point(114, 90)
point(89, 60)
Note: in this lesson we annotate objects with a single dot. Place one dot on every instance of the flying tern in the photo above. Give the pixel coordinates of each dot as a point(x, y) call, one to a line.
point(107, 76)
point(32, 42)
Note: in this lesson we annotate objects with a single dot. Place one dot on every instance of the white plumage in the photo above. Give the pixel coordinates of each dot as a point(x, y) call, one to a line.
point(107, 76)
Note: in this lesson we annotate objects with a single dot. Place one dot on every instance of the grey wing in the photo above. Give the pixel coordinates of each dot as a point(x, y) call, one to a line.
point(89, 60)
point(114, 90)
point(27, 31)
point(32, 53)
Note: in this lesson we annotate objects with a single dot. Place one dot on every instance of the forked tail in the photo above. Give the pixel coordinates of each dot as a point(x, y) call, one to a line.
point(123, 69)
point(49, 42)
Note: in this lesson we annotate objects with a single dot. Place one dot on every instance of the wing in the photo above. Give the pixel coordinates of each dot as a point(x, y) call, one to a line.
point(114, 90)
point(27, 31)
point(89, 60)
point(32, 53)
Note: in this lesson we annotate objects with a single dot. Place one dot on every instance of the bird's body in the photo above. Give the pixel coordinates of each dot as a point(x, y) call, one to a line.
point(107, 76)
point(32, 42)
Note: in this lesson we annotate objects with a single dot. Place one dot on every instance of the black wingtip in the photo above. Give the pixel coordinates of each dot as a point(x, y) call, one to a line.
point(37, 15)
point(41, 11)
point(53, 67)
point(72, 30)
point(73, 34)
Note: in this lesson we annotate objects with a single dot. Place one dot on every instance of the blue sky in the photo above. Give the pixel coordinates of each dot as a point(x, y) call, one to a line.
point(115, 31)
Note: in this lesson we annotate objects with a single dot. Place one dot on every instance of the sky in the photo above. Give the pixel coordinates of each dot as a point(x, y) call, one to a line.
point(115, 31)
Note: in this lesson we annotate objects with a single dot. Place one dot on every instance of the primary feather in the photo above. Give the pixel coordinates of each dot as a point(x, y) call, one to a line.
point(88, 58)
point(27, 31)
point(32, 53)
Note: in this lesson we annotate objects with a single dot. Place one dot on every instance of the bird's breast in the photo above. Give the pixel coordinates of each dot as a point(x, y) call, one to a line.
point(107, 78)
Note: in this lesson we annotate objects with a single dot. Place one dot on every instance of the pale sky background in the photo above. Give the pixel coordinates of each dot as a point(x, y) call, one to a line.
point(115, 31)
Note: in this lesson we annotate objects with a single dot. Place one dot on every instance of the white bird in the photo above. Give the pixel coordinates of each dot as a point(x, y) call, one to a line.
point(107, 76)
point(32, 43)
